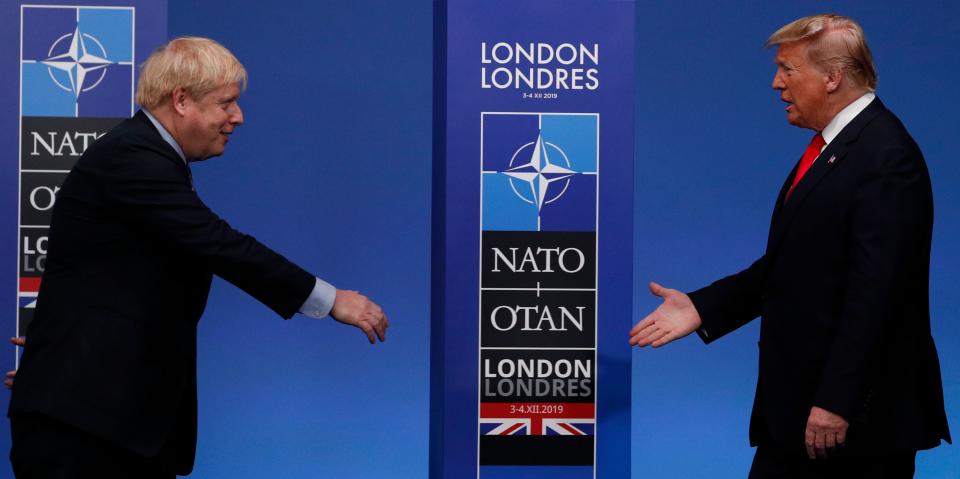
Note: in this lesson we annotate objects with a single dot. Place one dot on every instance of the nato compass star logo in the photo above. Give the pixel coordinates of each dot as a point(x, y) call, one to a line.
point(540, 180)
point(84, 59)
point(539, 171)
point(77, 62)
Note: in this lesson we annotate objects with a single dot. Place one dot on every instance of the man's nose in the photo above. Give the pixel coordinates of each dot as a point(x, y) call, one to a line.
point(237, 117)
point(778, 83)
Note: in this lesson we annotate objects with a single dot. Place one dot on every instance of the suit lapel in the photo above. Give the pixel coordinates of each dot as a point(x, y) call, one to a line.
point(785, 211)
point(778, 206)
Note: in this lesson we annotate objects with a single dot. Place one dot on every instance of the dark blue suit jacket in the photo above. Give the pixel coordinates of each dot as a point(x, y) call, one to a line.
point(842, 291)
point(112, 346)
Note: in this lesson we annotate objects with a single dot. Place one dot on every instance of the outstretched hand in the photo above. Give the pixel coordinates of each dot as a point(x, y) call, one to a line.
point(357, 310)
point(8, 380)
point(675, 318)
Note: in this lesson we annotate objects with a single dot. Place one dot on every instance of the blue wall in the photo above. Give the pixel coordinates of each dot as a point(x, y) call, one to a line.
point(333, 169)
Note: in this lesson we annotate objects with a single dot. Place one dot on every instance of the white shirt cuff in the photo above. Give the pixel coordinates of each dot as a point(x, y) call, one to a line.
point(320, 301)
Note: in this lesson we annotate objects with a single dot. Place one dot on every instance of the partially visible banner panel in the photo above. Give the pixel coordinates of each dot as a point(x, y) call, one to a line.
point(77, 79)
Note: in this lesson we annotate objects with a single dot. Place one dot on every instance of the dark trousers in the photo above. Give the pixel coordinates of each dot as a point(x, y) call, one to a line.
point(44, 448)
point(771, 463)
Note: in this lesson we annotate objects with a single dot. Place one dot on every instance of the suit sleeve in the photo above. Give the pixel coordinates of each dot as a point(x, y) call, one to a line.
point(153, 193)
point(729, 303)
point(890, 228)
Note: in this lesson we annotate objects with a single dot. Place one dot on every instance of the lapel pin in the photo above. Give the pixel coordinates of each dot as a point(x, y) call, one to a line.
point(832, 159)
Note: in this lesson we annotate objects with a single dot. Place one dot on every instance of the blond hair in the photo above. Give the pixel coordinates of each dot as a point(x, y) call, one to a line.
point(198, 65)
point(835, 42)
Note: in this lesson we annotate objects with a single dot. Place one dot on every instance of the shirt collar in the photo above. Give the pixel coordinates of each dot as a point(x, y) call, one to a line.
point(846, 115)
point(165, 134)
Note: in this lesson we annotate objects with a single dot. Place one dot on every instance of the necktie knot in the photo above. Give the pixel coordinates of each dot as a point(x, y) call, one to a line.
point(817, 142)
point(811, 154)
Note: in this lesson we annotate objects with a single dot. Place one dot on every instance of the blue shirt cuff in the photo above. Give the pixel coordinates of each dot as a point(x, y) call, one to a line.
point(320, 301)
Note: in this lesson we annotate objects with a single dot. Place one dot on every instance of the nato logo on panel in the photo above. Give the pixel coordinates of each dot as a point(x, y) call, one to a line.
point(77, 61)
point(539, 171)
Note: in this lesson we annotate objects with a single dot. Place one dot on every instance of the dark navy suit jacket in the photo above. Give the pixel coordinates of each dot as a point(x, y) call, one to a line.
point(112, 346)
point(842, 291)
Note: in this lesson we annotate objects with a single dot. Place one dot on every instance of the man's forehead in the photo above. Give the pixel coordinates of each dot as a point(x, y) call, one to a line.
point(791, 52)
point(228, 90)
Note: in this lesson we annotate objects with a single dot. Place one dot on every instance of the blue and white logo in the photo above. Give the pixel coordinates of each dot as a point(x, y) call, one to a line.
point(539, 171)
point(84, 70)
point(77, 61)
point(545, 181)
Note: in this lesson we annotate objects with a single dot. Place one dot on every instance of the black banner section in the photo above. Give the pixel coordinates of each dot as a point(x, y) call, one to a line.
point(33, 251)
point(38, 193)
point(565, 319)
point(542, 259)
point(55, 143)
point(536, 450)
point(537, 376)
point(23, 321)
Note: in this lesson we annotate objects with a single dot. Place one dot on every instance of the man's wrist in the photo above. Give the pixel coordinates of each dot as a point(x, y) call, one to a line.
point(321, 299)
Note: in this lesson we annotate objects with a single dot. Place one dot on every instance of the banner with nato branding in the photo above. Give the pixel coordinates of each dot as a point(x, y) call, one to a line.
point(532, 246)
point(75, 78)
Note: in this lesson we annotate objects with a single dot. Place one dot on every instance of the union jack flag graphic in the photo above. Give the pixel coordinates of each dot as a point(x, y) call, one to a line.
point(537, 419)
point(568, 427)
point(29, 285)
point(28, 300)
point(504, 427)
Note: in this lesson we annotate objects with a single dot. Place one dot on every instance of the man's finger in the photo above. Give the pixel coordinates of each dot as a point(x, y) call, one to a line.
point(19, 340)
point(665, 339)
point(830, 441)
point(841, 437)
point(368, 330)
point(808, 441)
point(653, 337)
point(643, 323)
point(818, 445)
point(657, 290)
point(381, 330)
point(641, 338)
point(648, 335)
point(644, 327)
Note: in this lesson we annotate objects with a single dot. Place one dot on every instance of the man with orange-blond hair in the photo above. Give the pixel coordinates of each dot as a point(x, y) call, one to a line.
point(107, 384)
point(849, 381)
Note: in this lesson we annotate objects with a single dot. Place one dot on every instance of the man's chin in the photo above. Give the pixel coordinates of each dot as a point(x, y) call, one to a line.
point(795, 121)
point(207, 157)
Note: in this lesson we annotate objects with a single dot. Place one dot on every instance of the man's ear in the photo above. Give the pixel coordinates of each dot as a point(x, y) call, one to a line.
point(179, 99)
point(834, 78)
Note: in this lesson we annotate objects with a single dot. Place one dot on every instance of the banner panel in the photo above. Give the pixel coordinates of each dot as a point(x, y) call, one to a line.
point(532, 240)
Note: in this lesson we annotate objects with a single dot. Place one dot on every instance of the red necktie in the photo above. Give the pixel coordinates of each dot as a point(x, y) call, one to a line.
point(813, 151)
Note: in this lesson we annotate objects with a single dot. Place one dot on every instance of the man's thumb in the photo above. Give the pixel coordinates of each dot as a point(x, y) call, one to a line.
point(657, 290)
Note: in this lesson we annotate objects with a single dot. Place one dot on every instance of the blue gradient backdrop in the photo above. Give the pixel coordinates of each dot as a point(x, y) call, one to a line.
point(332, 168)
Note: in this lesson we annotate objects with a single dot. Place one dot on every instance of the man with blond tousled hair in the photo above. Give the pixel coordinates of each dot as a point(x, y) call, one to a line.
point(107, 383)
point(849, 381)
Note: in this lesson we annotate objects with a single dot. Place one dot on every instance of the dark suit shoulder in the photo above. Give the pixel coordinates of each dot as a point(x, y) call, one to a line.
point(881, 142)
point(885, 130)
point(133, 146)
